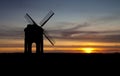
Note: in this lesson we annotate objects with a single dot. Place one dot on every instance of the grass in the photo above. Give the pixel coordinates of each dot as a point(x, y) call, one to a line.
point(59, 58)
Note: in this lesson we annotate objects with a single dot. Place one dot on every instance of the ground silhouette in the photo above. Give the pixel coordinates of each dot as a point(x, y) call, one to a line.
point(60, 58)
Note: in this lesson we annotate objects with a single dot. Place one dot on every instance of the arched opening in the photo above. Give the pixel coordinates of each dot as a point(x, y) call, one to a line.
point(33, 47)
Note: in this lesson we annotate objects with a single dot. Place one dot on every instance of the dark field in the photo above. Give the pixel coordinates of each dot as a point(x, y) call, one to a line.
point(59, 58)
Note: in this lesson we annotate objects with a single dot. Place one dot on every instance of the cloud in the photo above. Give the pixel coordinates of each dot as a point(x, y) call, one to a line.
point(7, 32)
point(79, 46)
point(72, 33)
point(78, 26)
point(97, 36)
point(68, 26)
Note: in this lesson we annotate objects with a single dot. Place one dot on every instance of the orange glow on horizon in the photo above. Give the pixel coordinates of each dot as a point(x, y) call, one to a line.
point(12, 45)
point(88, 50)
point(61, 50)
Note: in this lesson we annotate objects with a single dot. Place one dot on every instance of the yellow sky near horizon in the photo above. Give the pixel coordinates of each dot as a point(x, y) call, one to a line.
point(61, 46)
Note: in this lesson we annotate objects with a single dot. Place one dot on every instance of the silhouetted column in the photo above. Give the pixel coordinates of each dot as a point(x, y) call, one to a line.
point(30, 48)
point(38, 47)
point(41, 44)
point(25, 46)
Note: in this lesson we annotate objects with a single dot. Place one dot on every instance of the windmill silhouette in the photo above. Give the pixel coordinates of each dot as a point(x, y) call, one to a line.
point(34, 34)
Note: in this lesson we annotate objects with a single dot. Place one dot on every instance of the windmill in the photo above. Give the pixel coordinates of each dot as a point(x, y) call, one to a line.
point(34, 33)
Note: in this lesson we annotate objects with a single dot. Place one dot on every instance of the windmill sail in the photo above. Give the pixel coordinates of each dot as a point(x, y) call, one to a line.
point(48, 38)
point(29, 19)
point(46, 18)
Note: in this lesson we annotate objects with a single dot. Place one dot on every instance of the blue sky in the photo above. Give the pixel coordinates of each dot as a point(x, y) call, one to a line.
point(12, 10)
point(73, 18)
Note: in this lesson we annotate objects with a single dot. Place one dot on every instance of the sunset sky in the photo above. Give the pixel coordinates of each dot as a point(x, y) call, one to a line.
point(77, 26)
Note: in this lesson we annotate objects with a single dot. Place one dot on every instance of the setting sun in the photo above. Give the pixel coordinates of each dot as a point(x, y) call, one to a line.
point(88, 50)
